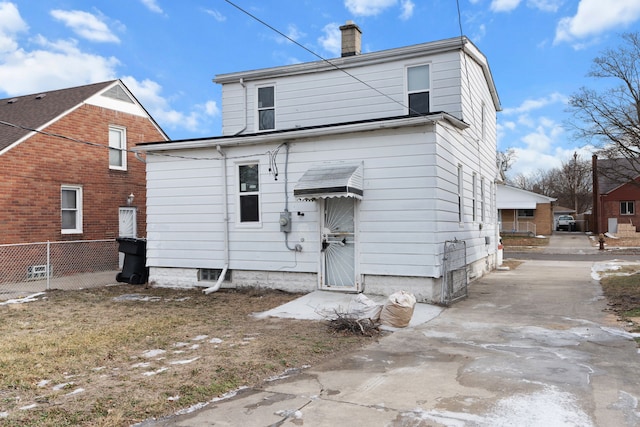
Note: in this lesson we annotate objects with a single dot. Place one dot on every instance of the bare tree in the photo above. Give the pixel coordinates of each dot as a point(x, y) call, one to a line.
point(610, 118)
point(505, 160)
point(570, 184)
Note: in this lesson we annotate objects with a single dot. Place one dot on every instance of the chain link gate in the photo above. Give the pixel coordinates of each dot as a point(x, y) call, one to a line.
point(454, 277)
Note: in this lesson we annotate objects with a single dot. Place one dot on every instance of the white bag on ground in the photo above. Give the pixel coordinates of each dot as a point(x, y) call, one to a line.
point(398, 310)
point(363, 307)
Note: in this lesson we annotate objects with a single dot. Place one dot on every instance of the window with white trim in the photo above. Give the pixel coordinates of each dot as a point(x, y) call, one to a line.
point(418, 88)
point(460, 201)
point(482, 200)
point(71, 209)
point(266, 107)
point(474, 197)
point(249, 193)
point(117, 148)
point(627, 208)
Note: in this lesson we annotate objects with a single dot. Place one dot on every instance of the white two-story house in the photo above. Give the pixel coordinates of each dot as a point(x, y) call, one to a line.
point(372, 172)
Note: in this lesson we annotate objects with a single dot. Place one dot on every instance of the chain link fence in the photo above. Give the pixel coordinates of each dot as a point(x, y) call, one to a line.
point(28, 268)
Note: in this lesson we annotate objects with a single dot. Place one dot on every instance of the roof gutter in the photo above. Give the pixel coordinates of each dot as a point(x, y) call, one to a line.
point(298, 134)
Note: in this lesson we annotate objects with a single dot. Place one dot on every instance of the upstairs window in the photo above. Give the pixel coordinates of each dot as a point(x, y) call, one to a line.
point(117, 148)
point(249, 193)
point(266, 108)
point(71, 209)
point(627, 208)
point(418, 89)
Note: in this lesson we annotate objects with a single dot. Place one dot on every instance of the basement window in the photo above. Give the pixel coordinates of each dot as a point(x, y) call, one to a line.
point(212, 275)
point(35, 272)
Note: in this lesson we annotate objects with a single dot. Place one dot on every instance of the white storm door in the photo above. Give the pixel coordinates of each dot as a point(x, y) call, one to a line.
point(127, 220)
point(338, 245)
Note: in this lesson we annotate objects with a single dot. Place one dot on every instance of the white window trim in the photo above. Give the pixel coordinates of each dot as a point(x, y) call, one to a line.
point(123, 148)
point(460, 194)
point(239, 223)
point(78, 191)
point(627, 204)
point(406, 83)
point(474, 196)
point(257, 109)
point(482, 200)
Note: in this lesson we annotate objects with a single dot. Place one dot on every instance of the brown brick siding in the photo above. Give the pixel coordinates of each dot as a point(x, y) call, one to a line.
point(33, 172)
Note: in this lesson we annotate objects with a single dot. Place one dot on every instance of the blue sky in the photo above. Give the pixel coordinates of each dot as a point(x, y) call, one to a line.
point(167, 52)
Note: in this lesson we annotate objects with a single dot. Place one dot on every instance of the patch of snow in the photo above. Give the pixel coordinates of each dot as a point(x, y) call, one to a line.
point(4, 414)
point(215, 341)
point(137, 297)
point(200, 338)
point(611, 236)
point(141, 365)
point(61, 386)
point(99, 368)
point(156, 372)
point(181, 344)
point(173, 398)
point(184, 362)
point(43, 383)
point(25, 408)
point(153, 353)
point(29, 298)
point(76, 391)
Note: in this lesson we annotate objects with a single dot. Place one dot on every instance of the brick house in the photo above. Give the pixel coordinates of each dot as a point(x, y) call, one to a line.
point(522, 211)
point(614, 197)
point(65, 169)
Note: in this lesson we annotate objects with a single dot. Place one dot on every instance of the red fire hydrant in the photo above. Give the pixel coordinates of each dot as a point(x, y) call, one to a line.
point(601, 241)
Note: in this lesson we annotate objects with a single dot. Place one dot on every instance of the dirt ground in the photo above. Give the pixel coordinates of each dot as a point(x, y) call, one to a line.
point(117, 355)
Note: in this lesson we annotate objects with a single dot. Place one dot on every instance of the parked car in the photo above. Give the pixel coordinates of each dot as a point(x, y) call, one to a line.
point(566, 222)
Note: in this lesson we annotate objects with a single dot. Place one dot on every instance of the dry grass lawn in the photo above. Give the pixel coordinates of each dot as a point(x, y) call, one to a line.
point(117, 355)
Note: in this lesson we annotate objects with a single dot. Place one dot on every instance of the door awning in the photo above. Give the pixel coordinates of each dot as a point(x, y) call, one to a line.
point(330, 180)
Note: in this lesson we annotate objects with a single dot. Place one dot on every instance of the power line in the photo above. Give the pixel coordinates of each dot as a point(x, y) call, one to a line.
point(321, 57)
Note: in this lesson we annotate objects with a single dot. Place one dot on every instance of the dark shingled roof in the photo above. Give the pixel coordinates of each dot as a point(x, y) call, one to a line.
point(612, 173)
point(35, 110)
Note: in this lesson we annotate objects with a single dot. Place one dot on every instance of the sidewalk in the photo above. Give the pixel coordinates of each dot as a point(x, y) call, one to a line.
point(532, 346)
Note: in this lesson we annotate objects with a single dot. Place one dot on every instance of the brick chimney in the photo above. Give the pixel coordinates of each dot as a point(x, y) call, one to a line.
point(351, 39)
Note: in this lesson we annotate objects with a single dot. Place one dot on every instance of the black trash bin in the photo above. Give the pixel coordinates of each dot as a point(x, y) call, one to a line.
point(134, 270)
point(573, 226)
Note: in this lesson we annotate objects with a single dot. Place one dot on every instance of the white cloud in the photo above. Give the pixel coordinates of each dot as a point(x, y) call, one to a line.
point(148, 92)
point(86, 25)
point(504, 5)
point(596, 16)
point(56, 65)
point(368, 7)
point(152, 5)
point(216, 15)
point(545, 5)
point(11, 24)
point(331, 40)
point(292, 32)
point(535, 104)
point(407, 9)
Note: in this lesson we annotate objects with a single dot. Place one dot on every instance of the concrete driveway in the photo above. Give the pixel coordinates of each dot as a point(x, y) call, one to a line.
point(533, 346)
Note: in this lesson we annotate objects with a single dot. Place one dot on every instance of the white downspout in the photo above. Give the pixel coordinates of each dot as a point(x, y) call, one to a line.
point(244, 87)
point(215, 287)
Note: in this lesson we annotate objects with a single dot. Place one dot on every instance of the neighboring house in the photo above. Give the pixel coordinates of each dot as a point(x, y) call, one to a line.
point(347, 175)
point(66, 172)
point(615, 200)
point(522, 211)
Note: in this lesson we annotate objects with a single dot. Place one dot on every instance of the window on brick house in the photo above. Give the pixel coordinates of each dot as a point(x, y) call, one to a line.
point(117, 148)
point(627, 208)
point(418, 88)
point(526, 213)
point(71, 209)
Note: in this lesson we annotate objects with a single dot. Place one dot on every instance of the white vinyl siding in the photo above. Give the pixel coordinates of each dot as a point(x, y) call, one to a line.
point(335, 97)
point(71, 209)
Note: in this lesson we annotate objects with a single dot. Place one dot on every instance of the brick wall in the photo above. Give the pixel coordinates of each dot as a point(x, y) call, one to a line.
point(33, 172)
